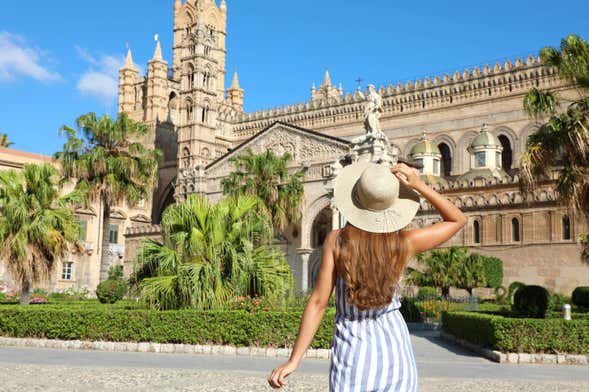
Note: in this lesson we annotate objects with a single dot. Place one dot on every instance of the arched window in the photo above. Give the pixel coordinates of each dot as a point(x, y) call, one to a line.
point(507, 154)
point(189, 111)
point(205, 114)
point(566, 228)
point(191, 74)
point(515, 230)
point(476, 232)
point(186, 157)
point(206, 78)
point(446, 159)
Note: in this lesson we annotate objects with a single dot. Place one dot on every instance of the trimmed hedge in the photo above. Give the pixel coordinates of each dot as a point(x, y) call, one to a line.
point(124, 323)
point(519, 334)
point(239, 328)
point(531, 301)
point(581, 296)
point(493, 271)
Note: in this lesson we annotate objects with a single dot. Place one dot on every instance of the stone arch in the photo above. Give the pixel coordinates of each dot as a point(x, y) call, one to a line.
point(185, 157)
point(165, 201)
point(441, 140)
point(462, 155)
point(321, 227)
point(506, 134)
point(523, 136)
point(189, 110)
point(309, 215)
point(190, 76)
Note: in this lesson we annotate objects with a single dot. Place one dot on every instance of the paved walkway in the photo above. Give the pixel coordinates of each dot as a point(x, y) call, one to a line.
point(441, 367)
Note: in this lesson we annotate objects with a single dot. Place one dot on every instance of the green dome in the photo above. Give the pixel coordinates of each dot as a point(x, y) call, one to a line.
point(425, 147)
point(485, 139)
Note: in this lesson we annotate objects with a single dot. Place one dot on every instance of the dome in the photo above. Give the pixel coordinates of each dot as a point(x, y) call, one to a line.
point(485, 139)
point(425, 147)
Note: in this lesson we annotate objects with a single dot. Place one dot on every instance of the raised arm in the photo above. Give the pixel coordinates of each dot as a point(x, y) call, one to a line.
point(423, 239)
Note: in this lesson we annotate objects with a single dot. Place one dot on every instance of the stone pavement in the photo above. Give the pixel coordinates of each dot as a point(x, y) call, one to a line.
point(441, 367)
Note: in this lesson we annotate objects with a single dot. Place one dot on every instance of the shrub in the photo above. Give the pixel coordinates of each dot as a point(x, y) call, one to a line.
point(427, 293)
point(513, 287)
point(531, 301)
point(70, 294)
point(116, 272)
point(557, 300)
point(111, 291)
point(493, 271)
point(410, 311)
point(501, 295)
point(555, 336)
point(581, 296)
point(108, 323)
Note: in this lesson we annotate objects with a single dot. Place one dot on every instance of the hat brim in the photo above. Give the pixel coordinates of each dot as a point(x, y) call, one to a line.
point(394, 218)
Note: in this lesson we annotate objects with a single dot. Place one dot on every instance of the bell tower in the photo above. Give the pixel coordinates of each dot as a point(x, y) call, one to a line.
point(199, 66)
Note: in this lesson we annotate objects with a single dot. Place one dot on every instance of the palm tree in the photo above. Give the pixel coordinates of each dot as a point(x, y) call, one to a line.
point(441, 266)
point(37, 226)
point(4, 141)
point(470, 273)
point(266, 176)
point(210, 254)
point(565, 135)
point(105, 160)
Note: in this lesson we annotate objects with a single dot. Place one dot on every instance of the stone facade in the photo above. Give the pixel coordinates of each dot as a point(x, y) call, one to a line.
point(200, 126)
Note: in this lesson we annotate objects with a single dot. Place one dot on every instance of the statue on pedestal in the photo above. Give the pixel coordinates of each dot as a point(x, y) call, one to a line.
point(372, 111)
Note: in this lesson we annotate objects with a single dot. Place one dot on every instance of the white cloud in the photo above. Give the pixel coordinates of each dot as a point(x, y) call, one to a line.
point(101, 79)
point(19, 59)
point(99, 85)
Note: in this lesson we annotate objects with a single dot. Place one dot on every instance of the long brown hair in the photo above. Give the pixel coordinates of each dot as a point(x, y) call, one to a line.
point(370, 265)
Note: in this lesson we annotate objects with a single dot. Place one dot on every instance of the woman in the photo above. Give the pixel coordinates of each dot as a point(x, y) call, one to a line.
point(371, 347)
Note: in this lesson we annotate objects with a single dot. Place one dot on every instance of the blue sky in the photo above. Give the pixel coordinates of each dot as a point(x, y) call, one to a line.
point(58, 59)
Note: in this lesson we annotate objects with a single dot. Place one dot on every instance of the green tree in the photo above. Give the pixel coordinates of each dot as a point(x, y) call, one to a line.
point(106, 162)
point(210, 254)
point(493, 271)
point(266, 176)
point(470, 273)
point(4, 141)
point(37, 225)
point(563, 137)
point(440, 268)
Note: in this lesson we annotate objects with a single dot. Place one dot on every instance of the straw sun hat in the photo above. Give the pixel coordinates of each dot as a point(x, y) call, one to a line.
point(373, 199)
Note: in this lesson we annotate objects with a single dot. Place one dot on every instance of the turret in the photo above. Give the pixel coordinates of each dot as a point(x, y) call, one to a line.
point(485, 157)
point(428, 155)
point(326, 90)
point(235, 94)
point(128, 78)
point(157, 89)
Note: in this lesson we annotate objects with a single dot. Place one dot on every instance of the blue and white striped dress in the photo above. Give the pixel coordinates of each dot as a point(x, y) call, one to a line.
point(371, 350)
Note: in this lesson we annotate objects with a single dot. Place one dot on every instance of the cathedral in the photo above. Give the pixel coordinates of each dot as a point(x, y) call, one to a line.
point(466, 131)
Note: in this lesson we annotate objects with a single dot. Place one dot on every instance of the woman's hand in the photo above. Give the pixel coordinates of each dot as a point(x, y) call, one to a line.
point(276, 379)
point(407, 175)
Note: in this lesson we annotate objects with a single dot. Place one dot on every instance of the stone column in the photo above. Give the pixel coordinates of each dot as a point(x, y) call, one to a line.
point(302, 281)
point(335, 218)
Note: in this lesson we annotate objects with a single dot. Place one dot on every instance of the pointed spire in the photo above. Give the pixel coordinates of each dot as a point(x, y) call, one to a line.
point(235, 82)
point(223, 6)
point(158, 51)
point(327, 78)
point(177, 5)
point(129, 64)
